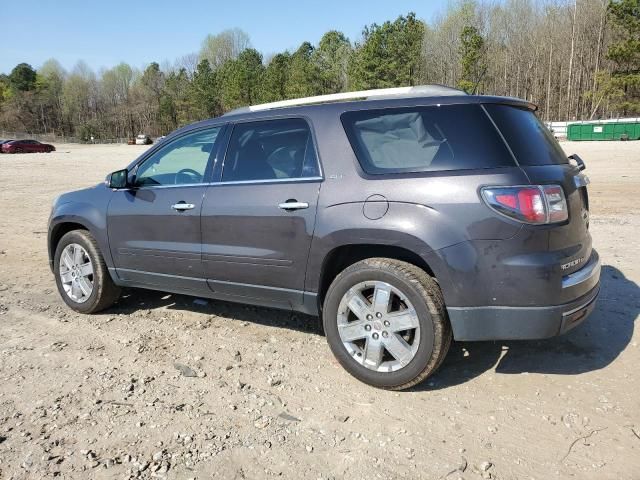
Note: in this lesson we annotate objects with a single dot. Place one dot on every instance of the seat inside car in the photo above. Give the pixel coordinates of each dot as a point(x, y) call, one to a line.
point(250, 163)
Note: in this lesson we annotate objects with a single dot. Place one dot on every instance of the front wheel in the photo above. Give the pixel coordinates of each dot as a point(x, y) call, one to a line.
point(386, 323)
point(81, 274)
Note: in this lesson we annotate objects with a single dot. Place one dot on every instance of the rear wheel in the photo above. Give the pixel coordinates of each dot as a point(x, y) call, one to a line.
point(386, 323)
point(82, 277)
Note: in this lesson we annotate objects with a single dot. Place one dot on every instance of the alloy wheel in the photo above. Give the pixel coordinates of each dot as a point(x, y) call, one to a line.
point(378, 326)
point(76, 273)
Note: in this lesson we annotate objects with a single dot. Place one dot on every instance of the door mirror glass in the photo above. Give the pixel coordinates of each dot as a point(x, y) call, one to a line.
point(118, 179)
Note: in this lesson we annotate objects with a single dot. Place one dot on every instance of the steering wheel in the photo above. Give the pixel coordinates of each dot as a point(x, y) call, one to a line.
point(194, 176)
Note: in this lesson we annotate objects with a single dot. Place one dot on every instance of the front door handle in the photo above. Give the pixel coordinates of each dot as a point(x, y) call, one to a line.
point(293, 205)
point(181, 206)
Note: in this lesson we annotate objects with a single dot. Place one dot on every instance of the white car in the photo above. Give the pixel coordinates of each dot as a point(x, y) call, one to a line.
point(143, 139)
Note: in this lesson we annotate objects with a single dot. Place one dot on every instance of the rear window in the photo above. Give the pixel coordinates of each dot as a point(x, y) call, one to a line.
point(424, 139)
point(531, 142)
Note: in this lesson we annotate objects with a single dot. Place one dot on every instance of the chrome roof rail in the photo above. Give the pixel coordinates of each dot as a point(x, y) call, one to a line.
point(380, 93)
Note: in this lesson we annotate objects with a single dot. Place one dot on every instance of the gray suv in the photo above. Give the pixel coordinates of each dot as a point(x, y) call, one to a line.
point(404, 218)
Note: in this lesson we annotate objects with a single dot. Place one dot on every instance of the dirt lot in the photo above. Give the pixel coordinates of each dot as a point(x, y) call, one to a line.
point(101, 397)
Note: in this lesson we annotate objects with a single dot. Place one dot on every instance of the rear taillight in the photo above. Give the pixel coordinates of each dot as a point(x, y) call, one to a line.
point(537, 204)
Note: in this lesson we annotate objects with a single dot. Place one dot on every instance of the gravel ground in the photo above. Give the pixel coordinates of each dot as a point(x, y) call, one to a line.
point(161, 386)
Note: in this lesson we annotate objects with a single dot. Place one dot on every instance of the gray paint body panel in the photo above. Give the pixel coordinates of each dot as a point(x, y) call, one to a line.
point(248, 240)
point(238, 245)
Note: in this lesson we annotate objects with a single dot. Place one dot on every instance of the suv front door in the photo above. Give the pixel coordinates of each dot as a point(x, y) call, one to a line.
point(258, 221)
point(154, 226)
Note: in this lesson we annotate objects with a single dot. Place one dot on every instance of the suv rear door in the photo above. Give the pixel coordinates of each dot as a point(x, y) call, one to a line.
point(258, 220)
point(154, 226)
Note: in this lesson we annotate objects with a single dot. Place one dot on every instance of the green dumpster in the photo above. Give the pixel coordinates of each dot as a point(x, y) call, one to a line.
point(604, 131)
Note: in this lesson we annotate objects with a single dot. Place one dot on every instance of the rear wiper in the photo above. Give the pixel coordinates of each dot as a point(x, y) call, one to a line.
point(580, 163)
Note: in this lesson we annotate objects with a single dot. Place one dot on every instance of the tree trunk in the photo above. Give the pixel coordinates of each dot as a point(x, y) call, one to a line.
point(573, 39)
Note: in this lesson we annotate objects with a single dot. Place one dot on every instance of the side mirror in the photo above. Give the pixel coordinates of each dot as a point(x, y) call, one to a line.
point(118, 179)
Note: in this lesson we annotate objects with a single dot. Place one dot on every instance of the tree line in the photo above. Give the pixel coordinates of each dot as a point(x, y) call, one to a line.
point(575, 59)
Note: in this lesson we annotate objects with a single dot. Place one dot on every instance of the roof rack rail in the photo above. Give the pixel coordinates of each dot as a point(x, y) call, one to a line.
point(380, 93)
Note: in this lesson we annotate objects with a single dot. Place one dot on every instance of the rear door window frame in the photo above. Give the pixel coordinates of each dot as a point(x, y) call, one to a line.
point(229, 134)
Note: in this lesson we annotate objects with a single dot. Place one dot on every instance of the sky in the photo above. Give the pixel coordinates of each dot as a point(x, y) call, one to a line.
point(105, 33)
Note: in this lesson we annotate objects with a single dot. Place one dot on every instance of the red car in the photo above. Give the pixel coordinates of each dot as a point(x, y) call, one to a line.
point(26, 146)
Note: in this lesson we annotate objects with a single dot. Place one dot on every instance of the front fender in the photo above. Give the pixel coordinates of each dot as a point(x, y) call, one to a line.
point(87, 208)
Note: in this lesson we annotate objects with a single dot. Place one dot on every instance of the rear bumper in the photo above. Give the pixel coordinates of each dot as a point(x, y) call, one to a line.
point(526, 323)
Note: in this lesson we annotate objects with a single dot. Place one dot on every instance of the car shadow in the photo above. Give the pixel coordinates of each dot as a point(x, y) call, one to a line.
point(133, 300)
point(590, 346)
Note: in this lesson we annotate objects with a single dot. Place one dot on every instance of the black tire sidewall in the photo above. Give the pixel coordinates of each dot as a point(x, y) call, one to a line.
point(427, 331)
point(80, 237)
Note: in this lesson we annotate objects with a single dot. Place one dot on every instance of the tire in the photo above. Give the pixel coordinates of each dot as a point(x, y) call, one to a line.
point(103, 292)
point(412, 291)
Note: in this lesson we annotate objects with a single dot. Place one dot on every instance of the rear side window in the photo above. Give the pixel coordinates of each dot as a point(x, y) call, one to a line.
point(531, 142)
point(424, 139)
point(270, 150)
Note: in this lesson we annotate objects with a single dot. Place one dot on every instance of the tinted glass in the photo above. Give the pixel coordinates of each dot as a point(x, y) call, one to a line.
point(183, 161)
point(270, 150)
point(419, 139)
point(531, 142)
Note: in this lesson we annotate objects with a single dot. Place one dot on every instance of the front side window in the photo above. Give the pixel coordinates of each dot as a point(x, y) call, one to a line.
point(423, 139)
point(270, 150)
point(181, 162)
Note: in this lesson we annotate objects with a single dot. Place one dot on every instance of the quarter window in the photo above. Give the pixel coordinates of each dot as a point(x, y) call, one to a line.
point(423, 139)
point(182, 161)
point(270, 150)
point(531, 142)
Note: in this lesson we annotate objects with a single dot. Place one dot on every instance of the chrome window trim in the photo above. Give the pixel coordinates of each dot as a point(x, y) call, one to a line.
point(153, 187)
point(271, 180)
point(237, 182)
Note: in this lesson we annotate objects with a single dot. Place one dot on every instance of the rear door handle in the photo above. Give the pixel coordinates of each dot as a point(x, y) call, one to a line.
point(181, 206)
point(293, 205)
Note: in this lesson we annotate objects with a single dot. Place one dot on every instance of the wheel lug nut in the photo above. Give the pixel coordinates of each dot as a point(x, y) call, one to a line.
point(375, 336)
point(379, 315)
point(387, 323)
point(369, 317)
point(385, 334)
point(367, 327)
